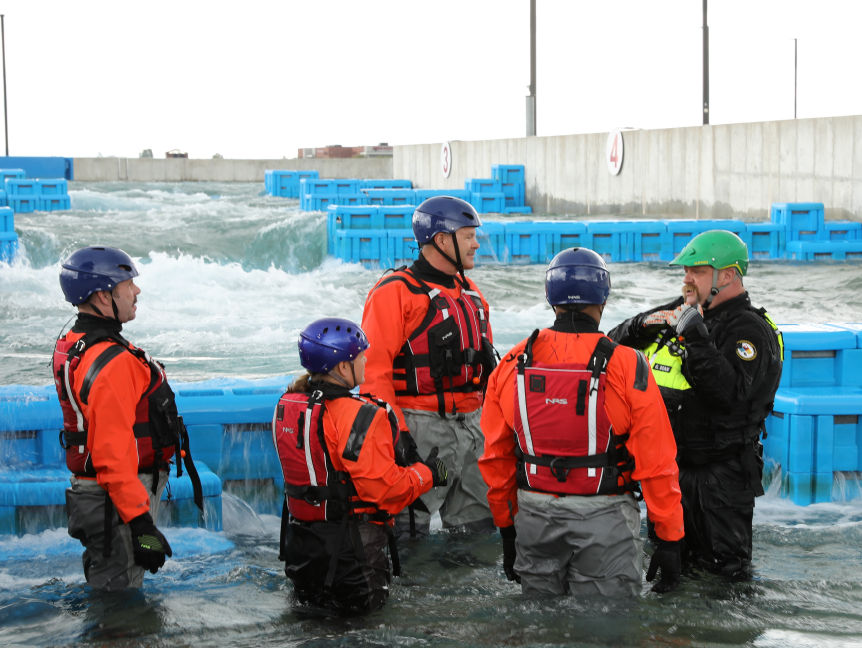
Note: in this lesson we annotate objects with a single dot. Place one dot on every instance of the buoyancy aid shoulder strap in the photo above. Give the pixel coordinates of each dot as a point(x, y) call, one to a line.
point(98, 364)
point(525, 360)
point(601, 356)
point(778, 335)
point(358, 431)
point(399, 275)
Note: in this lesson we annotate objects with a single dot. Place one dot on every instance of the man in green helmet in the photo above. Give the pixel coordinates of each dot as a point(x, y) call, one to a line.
point(717, 360)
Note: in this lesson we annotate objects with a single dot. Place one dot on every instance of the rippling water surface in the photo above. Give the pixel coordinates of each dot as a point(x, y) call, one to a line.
point(228, 278)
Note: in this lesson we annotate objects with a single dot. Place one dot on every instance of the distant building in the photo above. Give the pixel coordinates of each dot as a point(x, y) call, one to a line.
point(337, 151)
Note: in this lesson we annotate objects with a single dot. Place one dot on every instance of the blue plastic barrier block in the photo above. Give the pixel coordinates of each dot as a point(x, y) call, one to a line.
point(846, 442)
point(421, 195)
point(571, 234)
point(531, 242)
point(54, 203)
point(801, 443)
point(849, 368)
point(8, 246)
point(524, 209)
point(346, 186)
point(811, 353)
point(402, 247)
point(488, 202)
point(823, 250)
point(7, 219)
point(492, 243)
point(647, 241)
point(482, 185)
point(813, 401)
point(362, 246)
point(320, 201)
point(682, 231)
point(843, 230)
point(801, 221)
point(21, 187)
point(385, 184)
point(776, 444)
point(396, 216)
point(178, 507)
point(513, 193)
point(4, 201)
point(764, 240)
point(23, 204)
point(606, 238)
point(355, 217)
point(508, 173)
point(11, 173)
point(356, 199)
point(390, 196)
point(52, 187)
point(205, 440)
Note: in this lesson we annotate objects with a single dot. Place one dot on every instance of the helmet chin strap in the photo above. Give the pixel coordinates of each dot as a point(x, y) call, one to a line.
point(715, 288)
point(459, 265)
point(341, 381)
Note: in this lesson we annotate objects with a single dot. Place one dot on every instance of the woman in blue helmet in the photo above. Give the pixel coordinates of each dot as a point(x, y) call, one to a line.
point(347, 471)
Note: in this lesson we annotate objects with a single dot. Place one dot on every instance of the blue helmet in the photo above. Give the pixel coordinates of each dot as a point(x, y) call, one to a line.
point(92, 269)
point(326, 342)
point(577, 276)
point(442, 214)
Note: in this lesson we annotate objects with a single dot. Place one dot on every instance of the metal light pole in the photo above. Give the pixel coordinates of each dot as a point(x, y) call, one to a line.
point(705, 67)
point(5, 112)
point(531, 98)
point(794, 78)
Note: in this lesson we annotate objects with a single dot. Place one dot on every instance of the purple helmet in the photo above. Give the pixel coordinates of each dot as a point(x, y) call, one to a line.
point(326, 342)
point(92, 269)
point(577, 276)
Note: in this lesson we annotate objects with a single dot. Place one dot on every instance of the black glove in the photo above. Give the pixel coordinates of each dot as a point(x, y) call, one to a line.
point(439, 473)
point(687, 319)
point(667, 558)
point(148, 543)
point(508, 535)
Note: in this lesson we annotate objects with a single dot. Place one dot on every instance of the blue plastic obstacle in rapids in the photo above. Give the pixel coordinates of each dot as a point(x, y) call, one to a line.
point(814, 431)
point(357, 235)
point(229, 423)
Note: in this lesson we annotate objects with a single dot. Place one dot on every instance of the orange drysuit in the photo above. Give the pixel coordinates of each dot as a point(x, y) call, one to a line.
point(393, 312)
point(110, 415)
point(640, 413)
point(370, 457)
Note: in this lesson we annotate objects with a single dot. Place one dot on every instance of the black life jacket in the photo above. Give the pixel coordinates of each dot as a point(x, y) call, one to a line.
point(566, 444)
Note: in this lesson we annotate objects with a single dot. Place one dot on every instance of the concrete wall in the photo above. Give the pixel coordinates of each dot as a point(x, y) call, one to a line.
point(112, 169)
point(735, 170)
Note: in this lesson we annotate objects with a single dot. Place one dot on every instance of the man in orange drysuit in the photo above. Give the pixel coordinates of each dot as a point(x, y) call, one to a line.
point(120, 424)
point(572, 422)
point(347, 470)
point(430, 357)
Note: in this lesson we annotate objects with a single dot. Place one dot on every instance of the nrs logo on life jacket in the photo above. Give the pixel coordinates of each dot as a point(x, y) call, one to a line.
point(565, 439)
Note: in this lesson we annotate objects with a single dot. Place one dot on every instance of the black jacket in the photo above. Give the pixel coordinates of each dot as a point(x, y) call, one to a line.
point(733, 371)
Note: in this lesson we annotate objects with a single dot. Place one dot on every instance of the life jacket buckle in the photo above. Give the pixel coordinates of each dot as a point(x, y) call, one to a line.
point(560, 472)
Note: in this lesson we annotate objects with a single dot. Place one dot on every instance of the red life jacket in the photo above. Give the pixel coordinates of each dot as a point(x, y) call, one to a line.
point(449, 351)
point(158, 429)
point(566, 443)
point(314, 489)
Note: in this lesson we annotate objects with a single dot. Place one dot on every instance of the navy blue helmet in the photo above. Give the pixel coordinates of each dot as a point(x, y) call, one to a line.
point(577, 276)
point(442, 214)
point(92, 269)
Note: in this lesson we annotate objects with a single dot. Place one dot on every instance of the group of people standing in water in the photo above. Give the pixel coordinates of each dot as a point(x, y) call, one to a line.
point(413, 413)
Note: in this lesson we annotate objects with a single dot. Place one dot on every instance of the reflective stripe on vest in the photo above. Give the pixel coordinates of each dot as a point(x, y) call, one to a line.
point(665, 356)
point(565, 439)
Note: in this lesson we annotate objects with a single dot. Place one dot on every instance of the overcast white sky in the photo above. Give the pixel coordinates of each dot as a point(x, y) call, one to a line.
point(259, 79)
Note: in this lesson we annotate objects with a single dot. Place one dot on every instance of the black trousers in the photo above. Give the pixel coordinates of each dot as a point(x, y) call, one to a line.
point(718, 508)
point(339, 566)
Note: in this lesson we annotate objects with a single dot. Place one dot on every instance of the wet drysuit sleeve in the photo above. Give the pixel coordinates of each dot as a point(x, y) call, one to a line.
point(362, 439)
point(634, 404)
point(498, 463)
point(384, 321)
point(110, 414)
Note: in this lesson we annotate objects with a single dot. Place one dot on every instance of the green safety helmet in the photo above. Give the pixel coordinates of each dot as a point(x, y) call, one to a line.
point(717, 248)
